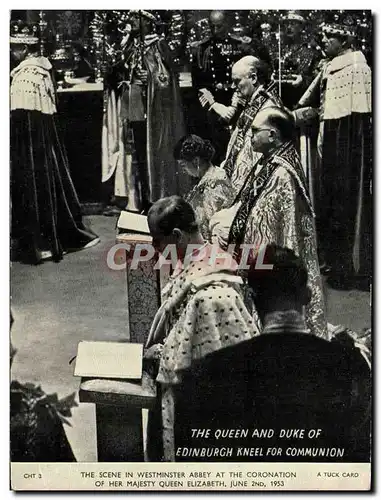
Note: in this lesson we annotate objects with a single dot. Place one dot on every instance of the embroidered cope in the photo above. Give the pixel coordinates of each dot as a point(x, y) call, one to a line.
point(281, 215)
point(240, 157)
point(212, 193)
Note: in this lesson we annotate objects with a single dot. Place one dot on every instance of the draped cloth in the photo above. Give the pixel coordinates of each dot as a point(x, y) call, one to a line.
point(212, 193)
point(202, 311)
point(347, 164)
point(342, 90)
point(157, 107)
point(310, 142)
point(281, 214)
point(117, 152)
point(347, 210)
point(46, 213)
point(37, 432)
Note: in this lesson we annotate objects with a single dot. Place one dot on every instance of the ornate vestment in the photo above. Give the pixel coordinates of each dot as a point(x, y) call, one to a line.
point(240, 157)
point(202, 312)
point(211, 194)
point(274, 207)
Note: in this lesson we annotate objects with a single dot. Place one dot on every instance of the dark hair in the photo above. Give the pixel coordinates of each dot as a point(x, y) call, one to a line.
point(79, 48)
point(192, 146)
point(283, 120)
point(33, 48)
point(288, 275)
point(343, 38)
point(30, 48)
point(173, 212)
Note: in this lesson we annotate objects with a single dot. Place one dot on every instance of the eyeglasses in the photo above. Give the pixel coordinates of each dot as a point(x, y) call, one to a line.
point(257, 130)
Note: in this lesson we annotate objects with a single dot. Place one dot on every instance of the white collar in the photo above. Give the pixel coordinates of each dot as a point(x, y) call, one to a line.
point(344, 60)
point(39, 61)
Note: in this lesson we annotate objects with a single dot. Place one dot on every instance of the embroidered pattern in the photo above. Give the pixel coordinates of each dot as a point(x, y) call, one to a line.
point(244, 123)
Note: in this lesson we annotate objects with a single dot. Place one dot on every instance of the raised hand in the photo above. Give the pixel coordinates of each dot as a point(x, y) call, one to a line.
point(206, 98)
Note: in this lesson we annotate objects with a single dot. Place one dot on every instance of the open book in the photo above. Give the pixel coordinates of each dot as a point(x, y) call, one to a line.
point(109, 360)
point(131, 222)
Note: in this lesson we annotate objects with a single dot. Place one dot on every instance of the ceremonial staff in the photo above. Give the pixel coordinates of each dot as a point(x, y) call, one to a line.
point(141, 34)
point(42, 24)
point(141, 61)
point(279, 61)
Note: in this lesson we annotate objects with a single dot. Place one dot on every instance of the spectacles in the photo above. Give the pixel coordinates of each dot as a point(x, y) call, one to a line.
point(257, 130)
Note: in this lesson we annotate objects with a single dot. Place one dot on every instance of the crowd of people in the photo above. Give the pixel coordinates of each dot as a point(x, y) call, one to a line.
point(233, 78)
point(225, 340)
point(216, 362)
point(291, 175)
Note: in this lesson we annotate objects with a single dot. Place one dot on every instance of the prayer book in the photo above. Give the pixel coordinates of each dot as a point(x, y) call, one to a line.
point(132, 222)
point(109, 360)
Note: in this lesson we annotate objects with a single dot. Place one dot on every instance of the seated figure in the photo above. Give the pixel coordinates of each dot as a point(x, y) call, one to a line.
point(202, 308)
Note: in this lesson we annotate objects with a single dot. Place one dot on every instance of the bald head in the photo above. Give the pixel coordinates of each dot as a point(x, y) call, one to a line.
point(247, 74)
point(245, 66)
point(272, 127)
point(217, 16)
point(218, 23)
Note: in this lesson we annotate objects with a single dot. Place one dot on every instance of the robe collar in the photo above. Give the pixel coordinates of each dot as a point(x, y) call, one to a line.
point(348, 59)
point(39, 62)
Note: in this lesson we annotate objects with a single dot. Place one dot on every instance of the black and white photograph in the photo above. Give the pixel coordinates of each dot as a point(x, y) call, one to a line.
point(191, 250)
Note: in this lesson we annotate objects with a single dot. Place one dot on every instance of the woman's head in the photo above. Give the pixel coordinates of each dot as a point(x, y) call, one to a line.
point(194, 154)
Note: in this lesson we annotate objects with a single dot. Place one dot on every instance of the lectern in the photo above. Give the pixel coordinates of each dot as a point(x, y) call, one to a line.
point(144, 279)
point(118, 409)
point(119, 401)
point(112, 378)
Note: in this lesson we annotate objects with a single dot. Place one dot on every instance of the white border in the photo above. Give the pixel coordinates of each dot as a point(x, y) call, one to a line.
point(4, 172)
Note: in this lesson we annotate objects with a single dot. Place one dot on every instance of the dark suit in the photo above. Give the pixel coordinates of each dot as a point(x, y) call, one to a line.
point(279, 381)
